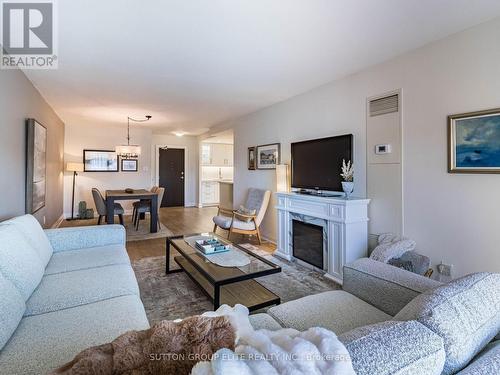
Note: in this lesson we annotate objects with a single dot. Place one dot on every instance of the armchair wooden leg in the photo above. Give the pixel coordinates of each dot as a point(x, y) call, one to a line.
point(215, 228)
point(230, 232)
point(258, 236)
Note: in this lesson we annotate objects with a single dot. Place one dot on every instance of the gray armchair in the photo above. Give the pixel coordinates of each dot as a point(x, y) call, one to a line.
point(100, 206)
point(237, 222)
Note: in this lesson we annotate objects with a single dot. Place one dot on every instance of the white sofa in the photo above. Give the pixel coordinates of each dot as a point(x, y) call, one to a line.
point(62, 291)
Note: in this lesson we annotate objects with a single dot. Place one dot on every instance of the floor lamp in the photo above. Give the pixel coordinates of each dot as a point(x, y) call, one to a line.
point(74, 167)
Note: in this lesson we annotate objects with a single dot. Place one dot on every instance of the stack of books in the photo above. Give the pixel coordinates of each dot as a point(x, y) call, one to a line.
point(212, 246)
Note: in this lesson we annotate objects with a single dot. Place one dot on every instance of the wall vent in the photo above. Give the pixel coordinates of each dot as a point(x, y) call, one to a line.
point(382, 106)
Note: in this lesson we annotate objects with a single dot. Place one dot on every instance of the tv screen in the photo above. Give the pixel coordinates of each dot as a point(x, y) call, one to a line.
point(317, 164)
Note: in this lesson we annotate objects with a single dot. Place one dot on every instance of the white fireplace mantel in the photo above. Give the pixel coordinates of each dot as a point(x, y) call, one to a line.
point(345, 222)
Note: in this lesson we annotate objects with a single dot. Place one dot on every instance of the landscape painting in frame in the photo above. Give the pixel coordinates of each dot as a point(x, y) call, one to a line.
point(268, 156)
point(100, 161)
point(36, 156)
point(474, 142)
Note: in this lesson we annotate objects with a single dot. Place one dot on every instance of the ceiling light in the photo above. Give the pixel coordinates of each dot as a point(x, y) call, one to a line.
point(179, 134)
point(129, 151)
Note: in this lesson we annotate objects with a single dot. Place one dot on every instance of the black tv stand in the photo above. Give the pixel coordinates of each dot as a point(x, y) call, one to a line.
point(319, 193)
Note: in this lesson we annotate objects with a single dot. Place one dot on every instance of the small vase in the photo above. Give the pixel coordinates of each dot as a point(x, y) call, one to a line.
point(348, 187)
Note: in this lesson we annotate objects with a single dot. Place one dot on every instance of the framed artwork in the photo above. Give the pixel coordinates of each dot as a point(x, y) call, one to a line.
point(251, 158)
point(268, 156)
point(36, 156)
point(474, 142)
point(129, 165)
point(100, 161)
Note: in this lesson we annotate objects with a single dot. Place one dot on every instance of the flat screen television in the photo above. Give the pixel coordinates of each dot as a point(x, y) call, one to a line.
point(317, 163)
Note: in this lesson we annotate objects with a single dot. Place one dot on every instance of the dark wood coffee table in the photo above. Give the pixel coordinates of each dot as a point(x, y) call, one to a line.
point(224, 285)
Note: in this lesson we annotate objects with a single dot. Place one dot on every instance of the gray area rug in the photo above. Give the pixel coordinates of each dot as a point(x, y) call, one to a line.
point(176, 296)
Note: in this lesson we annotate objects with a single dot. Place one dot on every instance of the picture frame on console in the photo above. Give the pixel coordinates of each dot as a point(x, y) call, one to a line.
point(268, 156)
point(251, 158)
point(474, 142)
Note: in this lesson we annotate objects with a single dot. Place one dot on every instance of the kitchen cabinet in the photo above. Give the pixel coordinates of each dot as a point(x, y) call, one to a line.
point(210, 192)
point(217, 155)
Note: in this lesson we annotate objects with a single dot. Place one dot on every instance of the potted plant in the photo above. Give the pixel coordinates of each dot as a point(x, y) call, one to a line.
point(348, 177)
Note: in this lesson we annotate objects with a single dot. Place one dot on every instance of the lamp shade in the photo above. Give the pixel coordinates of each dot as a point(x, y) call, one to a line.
point(282, 178)
point(74, 167)
point(131, 151)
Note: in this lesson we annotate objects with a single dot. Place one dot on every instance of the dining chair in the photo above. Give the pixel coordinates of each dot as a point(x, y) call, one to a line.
point(143, 201)
point(143, 207)
point(100, 205)
point(242, 222)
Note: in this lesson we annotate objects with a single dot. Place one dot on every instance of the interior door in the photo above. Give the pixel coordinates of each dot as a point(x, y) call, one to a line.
point(172, 176)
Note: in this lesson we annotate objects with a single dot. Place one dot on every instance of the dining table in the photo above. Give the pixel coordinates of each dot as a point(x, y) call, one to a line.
point(136, 194)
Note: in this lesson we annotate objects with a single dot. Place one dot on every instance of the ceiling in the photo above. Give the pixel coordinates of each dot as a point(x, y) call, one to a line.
point(194, 63)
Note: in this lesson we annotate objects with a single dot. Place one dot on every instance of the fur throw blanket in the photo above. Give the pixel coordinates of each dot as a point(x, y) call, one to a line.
point(284, 352)
point(226, 343)
point(166, 348)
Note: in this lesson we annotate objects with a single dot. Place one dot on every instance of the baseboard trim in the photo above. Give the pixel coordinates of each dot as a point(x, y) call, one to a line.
point(58, 222)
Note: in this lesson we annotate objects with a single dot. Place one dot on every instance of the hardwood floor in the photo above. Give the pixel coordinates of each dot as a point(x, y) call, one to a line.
point(180, 220)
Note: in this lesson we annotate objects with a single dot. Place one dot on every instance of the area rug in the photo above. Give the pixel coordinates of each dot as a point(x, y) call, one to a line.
point(176, 296)
point(132, 235)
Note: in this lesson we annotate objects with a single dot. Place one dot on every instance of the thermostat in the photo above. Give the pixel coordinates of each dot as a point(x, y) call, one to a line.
point(382, 149)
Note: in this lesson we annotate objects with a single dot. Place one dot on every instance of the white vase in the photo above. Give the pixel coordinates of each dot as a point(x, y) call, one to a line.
point(348, 187)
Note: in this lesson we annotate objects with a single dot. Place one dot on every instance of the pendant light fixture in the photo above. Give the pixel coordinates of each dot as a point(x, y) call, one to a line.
point(129, 151)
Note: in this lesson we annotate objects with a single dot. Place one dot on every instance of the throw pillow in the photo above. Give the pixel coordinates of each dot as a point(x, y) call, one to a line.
point(464, 312)
point(245, 211)
point(166, 348)
point(388, 250)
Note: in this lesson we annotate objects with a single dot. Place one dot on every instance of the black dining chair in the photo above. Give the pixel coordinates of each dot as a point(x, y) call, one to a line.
point(143, 207)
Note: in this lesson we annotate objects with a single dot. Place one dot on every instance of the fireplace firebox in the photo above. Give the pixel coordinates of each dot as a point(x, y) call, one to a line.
point(308, 243)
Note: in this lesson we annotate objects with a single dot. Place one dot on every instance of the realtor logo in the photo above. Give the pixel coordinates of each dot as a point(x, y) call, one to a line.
point(28, 34)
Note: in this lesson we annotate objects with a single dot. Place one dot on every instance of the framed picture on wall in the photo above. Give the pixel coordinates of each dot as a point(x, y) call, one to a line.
point(36, 156)
point(251, 158)
point(268, 156)
point(474, 142)
point(129, 165)
point(100, 161)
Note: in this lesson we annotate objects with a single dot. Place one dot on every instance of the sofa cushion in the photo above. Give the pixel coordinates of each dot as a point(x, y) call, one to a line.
point(12, 308)
point(34, 234)
point(395, 348)
point(73, 260)
point(464, 312)
point(69, 289)
point(19, 262)
point(45, 342)
point(74, 238)
point(487, 362)
point(337, 311)
point(264, 321)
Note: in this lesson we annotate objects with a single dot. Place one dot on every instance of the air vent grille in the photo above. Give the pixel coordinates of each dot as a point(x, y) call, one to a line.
point(382, 106)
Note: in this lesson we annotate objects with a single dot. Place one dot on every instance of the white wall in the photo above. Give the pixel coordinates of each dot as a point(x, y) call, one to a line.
point(452, 217)
point(20, 100)
point(191, 144)
point(104, 137)
point(80, 136)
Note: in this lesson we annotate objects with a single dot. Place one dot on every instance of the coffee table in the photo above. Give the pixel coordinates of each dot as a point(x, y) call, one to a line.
point(224, 285)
